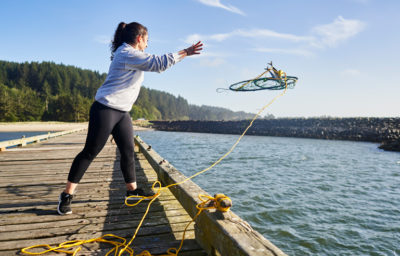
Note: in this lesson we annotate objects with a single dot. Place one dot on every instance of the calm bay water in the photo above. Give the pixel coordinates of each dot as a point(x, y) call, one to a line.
point(308, 197)
point(17, 135)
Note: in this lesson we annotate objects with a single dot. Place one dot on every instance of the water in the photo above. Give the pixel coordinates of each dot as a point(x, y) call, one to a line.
point(17, 135)
point(308, 197)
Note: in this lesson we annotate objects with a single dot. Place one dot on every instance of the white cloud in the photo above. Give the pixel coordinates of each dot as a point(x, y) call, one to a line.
point(101, 39)
point(350, 72)
point(218, 4)
point(252, 33)
point(271, 33)
point(214, 62)
point(301, 52)
point(211, 54)
point(197, 37)
point(336, 32)
point(320, 36)
point(193, 38)
point(327, 35)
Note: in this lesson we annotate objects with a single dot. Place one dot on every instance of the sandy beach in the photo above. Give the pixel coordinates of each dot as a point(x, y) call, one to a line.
point(46, 126)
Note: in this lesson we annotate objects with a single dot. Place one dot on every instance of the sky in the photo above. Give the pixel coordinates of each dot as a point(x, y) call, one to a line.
point(344, 52)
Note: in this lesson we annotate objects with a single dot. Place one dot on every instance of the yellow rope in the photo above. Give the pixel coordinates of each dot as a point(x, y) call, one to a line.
point(237, 141)
point(74, 243)
point(204, 205)
point(123, 246)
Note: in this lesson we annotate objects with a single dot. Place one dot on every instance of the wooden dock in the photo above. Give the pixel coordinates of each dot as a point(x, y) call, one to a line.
point(32, 177)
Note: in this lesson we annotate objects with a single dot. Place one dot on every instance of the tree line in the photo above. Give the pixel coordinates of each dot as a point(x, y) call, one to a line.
point(46, 91)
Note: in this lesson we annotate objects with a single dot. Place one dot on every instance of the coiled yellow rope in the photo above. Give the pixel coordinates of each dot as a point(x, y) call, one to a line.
point(76, 243)
point(121, 247)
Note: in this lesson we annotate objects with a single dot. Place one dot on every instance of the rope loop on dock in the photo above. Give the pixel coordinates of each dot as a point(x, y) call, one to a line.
point(220, 202)
point(62, 247)
point(142, 198)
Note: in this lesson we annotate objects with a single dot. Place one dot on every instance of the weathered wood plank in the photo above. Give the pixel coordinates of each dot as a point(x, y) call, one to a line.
point(190, 248)
point(21, 196)
point(151, 227)
point(110, 215)
point(175, 216)
point(143, 241)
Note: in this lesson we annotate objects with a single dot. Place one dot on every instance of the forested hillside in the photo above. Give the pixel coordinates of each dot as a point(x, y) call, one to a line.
point(48, 91)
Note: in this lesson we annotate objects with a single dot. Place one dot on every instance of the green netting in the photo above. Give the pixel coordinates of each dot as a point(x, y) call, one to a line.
point(265, 83)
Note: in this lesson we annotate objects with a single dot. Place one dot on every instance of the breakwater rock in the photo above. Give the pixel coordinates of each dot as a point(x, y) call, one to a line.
point(380, 130)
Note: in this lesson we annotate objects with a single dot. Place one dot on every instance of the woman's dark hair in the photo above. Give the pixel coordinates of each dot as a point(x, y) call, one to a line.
point(126, 33)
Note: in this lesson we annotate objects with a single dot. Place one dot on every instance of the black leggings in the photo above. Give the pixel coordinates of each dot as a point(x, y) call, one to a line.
point(104, 121)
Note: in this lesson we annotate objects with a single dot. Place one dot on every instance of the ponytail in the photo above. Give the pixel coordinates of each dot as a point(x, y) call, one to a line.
point(126, 33)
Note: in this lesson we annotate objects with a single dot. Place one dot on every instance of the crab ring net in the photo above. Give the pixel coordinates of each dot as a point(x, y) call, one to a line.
point(265, 83)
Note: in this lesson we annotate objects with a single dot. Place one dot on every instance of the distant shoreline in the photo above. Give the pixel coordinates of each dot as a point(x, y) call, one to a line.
point(51, 126)
point(379, 130)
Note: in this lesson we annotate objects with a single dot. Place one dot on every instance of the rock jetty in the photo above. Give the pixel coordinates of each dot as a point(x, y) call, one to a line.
point(380, 130)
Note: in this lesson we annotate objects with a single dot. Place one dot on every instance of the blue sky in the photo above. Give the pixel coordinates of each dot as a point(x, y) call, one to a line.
point(345, 52)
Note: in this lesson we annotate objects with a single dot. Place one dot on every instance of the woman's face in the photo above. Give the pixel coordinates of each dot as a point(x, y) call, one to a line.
point(142, 42)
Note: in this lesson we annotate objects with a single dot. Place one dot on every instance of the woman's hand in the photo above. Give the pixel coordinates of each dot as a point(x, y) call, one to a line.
point(192, 50)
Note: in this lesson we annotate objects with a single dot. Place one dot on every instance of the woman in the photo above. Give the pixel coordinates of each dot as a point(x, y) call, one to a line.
point(109, 113)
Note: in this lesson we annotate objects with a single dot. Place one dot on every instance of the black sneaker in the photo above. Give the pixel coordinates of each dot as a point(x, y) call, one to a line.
point(64, 204)
point(137, 192)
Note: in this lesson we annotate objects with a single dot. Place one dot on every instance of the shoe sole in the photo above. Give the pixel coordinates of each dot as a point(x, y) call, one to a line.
point(61, 213)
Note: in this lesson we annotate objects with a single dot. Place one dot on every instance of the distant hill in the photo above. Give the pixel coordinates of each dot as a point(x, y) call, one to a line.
point(33, 91)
